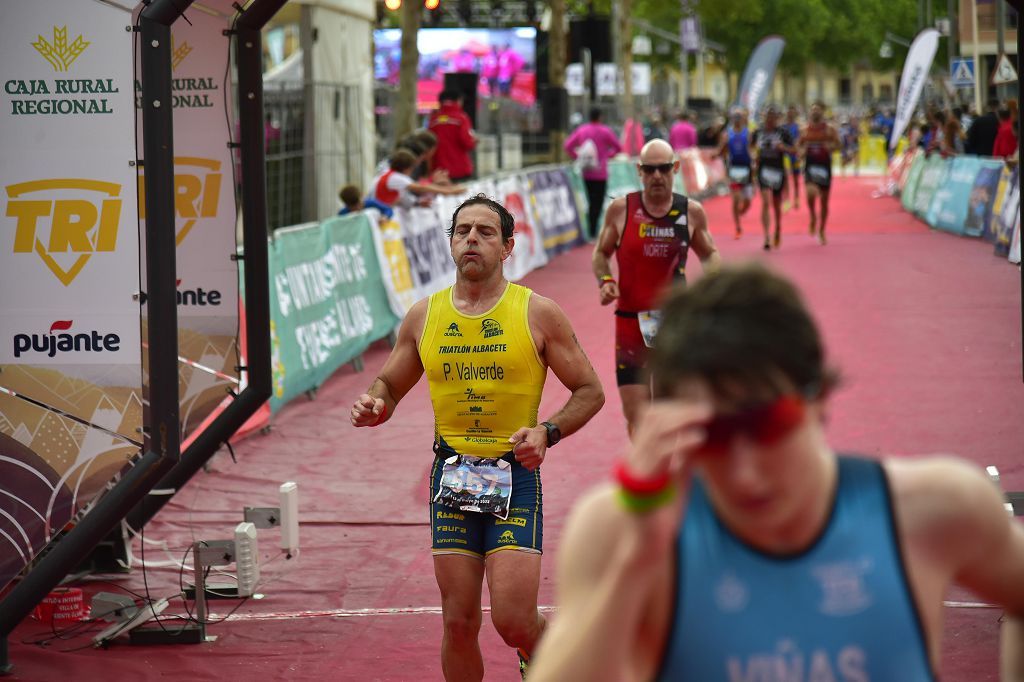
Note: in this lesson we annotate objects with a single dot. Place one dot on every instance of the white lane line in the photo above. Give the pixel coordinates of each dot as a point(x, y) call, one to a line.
point(436, 611)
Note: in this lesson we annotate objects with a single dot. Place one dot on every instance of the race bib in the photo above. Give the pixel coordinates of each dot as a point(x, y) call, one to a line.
point(739, 173)
point(649, 322)
point(818, 173)
point(772, 177)
point(476, 484)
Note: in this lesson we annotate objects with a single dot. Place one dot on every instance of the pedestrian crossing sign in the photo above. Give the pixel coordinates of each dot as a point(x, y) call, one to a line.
point(962, 72)
point(1004, 71)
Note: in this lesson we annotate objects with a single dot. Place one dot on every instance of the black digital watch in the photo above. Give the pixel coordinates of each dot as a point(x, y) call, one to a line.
point(554, 433)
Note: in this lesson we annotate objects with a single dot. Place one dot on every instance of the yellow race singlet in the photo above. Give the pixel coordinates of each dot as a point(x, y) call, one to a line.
point(484, 372)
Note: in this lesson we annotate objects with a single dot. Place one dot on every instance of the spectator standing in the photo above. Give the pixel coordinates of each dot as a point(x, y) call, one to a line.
point(455, 137)
point(593, 144)
point(981, 136)
point(1006, 140)
point(489, 71)
point(683, 134)
point(952, 143)
point(509, 64)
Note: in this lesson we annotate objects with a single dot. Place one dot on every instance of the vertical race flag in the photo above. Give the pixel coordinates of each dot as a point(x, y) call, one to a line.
point(759, 73)
point(915, 73)
point(205, 215)
point(70, 352)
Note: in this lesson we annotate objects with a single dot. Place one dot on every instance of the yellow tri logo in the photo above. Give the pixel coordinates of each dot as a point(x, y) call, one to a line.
point(59, 53)
point(196, 193)
point(79, 227)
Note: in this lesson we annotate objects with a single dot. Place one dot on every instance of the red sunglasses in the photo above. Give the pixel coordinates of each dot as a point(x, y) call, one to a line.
point(765, 424)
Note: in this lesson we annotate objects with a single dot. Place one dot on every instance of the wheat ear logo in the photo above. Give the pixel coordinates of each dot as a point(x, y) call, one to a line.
point(59, 53)
point(178, 52)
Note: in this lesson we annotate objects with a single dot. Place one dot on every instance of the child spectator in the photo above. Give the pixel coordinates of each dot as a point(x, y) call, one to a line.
point(396, 186)
point(352, 197)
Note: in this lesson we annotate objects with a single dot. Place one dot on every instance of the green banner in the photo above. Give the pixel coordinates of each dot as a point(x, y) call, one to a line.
point(909, 195)
point(933, 176)
point(327, 302)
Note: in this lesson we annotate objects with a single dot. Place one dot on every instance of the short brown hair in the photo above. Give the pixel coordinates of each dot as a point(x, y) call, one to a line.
point(350, 195)
point(426, 139)
point(741, 328)
point(506, 219)
point(401, 160)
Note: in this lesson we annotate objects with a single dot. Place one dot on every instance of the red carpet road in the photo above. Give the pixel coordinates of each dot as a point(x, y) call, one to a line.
point(924, 326)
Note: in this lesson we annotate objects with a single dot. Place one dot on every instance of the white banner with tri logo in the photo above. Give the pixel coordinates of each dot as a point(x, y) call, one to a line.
point(70, 350)
point(69, 249)
point(205, 215)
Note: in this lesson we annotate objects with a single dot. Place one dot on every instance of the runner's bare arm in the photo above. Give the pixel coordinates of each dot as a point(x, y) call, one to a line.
point(723, 144)
point(611, 561)
point(400, 373)
point(425, 188)
point(607, 242)
point(700, 240)
point(558, 346)
point(801, 141)
point(600, 597)
point(961, 521)
point(833, 139)
point(990, 546)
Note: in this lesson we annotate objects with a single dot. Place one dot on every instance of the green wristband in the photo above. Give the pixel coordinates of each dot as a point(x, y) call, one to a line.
point(642, 504)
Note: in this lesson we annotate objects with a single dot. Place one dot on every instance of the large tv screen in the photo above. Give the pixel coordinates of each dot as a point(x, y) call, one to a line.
point(504, 58)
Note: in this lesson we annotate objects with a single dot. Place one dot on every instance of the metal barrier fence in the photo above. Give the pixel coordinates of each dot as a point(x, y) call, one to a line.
point(314, 132)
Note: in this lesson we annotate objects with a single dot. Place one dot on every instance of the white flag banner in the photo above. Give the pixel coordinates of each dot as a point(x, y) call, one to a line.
point(915, 73)
point(203, 181)
point(69, 244)
point(69, 266)
point(204, 212)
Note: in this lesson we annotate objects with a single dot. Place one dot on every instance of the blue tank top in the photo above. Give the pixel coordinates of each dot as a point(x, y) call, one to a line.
point(794, 132)
point(840, 610)
point(739, 147)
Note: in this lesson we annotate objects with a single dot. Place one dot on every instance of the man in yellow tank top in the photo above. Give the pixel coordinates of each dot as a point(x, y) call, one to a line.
point(485, 345)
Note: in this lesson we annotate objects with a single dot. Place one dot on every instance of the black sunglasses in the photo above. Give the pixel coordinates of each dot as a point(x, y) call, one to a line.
point(663, 168)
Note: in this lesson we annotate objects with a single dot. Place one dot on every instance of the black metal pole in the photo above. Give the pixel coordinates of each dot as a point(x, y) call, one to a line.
point(249, 63)
point(162, 424)
point(5, 660)
point(161, 250)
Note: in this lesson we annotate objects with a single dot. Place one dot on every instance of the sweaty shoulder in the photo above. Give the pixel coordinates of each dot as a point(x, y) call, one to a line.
point(546, 318)
point(617, 205)
point(939, 498)
point(694, 208)
point(616, 212)
point(412, 324)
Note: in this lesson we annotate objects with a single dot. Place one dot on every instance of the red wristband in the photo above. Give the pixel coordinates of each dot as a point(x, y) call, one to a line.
point(381, 416)
point(640, 486)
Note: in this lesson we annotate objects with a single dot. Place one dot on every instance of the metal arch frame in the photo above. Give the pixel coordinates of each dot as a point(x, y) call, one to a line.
point(162, 447)
point(248, 62)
